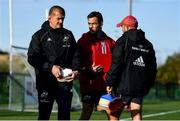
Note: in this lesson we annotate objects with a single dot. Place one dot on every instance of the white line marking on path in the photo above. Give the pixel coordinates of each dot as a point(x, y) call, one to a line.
point(156, 114)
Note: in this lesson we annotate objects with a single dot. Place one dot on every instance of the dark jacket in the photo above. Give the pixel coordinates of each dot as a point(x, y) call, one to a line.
point(50, 47)
point(133, 68)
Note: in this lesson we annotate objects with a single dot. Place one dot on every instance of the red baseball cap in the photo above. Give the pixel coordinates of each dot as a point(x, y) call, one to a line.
point(130, 21)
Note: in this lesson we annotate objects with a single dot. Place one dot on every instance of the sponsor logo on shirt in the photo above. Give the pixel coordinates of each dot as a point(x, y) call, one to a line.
point(139, 62)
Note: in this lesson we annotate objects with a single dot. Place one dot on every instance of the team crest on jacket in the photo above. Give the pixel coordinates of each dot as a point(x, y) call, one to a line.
point(49, 39)
point(66, 38)
point(66, 41)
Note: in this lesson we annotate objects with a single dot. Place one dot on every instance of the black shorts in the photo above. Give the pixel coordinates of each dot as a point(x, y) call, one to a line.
point(129, 99)
point(92, 97)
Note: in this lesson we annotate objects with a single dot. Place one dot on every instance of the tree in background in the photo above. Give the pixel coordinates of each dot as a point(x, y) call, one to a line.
point(18, 64)
point(4, 57)
point(170, 71)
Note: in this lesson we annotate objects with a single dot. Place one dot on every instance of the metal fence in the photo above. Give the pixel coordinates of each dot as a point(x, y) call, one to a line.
point(24, 95)
point(169, 91)
point(18, 92)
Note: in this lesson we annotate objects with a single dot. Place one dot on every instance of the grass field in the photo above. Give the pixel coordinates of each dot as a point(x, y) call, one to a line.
point(160, 110)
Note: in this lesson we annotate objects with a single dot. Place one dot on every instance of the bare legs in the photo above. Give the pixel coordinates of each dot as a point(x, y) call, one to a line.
point(136, 113)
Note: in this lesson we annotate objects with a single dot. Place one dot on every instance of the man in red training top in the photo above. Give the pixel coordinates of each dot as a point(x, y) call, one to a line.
point(96, 49)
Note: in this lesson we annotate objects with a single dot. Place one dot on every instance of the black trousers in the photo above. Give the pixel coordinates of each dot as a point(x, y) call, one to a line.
point(62, 95)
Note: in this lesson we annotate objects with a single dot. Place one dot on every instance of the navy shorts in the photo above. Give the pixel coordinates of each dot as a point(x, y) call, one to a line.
point(129, 99)
point(92, 97)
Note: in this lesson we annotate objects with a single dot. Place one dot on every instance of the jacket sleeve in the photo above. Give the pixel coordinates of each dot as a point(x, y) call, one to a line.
point(35, 55)
point(116, 64)
point(76, 62)
point(153, 67)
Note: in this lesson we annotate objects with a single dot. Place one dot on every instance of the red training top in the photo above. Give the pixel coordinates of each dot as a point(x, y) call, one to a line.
point(90, 47)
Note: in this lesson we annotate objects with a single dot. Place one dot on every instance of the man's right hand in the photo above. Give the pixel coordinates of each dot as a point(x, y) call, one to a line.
point(56, 71)
point(109, 89)
point(97, 69)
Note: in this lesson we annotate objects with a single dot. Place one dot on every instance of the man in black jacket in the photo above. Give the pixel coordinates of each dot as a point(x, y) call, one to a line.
point(133, 68)
point(52, 50)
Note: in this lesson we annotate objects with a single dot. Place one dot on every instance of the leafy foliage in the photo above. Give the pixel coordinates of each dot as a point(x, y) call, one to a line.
point(170, 71)
point(17, 63)
point(4, 63)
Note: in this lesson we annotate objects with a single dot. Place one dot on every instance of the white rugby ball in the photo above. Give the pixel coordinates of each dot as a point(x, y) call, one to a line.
point(66, 72)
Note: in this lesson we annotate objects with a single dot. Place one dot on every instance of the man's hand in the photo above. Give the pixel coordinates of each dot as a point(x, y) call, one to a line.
point(109, 89)
point(72, 76)
point(56, 71)
point(97, 69)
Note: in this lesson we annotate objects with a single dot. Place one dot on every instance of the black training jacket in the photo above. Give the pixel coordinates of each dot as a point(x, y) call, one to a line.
point(50, 47)
point(134, 74)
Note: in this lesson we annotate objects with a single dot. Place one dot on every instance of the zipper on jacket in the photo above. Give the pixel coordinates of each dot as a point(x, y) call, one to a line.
point(103, 47)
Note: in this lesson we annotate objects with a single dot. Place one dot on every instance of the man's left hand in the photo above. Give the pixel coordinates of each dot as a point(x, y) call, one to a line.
point(72, 76)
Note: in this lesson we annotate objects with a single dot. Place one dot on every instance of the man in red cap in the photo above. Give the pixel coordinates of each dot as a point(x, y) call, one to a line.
point(133, 68)
point(129, 21)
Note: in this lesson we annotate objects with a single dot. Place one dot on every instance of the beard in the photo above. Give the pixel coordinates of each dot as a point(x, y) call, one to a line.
point(95, 32)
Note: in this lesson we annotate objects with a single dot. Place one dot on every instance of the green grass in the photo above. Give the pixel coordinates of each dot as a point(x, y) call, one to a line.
point(148, 108)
